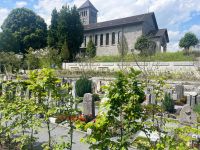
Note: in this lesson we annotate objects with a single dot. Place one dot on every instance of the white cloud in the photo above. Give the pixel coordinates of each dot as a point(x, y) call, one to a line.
point(44, 8)
point(20, 4)
point(195, 29)
point(3, 14)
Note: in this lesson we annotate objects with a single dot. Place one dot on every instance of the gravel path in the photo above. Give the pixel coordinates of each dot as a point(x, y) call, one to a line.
point(59, 134)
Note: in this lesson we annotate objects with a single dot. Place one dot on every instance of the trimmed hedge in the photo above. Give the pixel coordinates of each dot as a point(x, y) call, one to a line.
point(83, 85)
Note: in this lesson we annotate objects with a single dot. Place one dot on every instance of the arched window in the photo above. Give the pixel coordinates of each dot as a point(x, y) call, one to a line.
point(107, 38)
point(101, 39)
point(96, 39)
point(119, 36)
point(85, 41)
point(113, 38)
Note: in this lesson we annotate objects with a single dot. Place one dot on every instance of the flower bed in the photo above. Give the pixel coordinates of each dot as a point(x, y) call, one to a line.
point(83, 118)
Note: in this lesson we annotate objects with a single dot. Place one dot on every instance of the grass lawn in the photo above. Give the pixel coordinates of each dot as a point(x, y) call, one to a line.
point(169, 56)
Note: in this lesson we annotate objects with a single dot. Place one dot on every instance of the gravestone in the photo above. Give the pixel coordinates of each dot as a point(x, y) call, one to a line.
point(192, 100)
point(148, 98)
point(88, 105)
point(187, 115)
point(179, 91)
point(175, 96)
point(198, 99)
point(73, 89)
point(94, 86)
point(153, 99)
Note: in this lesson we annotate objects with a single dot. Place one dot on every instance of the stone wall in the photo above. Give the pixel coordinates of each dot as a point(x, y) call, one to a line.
point(154, 66)
point(131, 34)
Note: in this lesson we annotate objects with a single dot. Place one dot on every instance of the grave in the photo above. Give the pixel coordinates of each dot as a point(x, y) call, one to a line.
point(88, 105)
point(179, 91)
point(187, 115)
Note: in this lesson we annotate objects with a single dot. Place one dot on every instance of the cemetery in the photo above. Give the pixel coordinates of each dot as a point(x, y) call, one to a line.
point(56, 103)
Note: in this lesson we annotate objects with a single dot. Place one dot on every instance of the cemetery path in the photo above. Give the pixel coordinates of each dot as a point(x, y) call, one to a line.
point(59, 134)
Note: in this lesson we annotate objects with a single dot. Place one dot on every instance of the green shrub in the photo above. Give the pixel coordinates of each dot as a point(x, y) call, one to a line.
point(89, 125)
point(95, 97)
point(168, 104)
point(83, 85)
point(80, 125)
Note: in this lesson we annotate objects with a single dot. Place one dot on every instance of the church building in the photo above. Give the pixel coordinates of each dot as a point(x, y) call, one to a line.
point(106, 35)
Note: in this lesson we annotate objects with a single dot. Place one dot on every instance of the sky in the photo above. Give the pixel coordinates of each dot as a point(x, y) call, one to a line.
point(178, 16)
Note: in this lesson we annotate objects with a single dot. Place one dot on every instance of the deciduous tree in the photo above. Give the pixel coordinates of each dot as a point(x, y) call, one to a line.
point(188, 40)
point(28, 28)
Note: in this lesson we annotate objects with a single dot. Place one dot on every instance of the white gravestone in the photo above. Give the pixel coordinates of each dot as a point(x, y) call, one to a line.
point(180, 91)
point(88, 105)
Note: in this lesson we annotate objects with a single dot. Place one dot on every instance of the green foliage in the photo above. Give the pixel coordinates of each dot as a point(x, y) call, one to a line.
point(165, 57)
point(188, 40)
point(9, 62)
point(168, 104)
point(53, 28)
point(68, 27)
point(91, 49)
point(65, 54)
point(22, 100)
point(95, 97)
point(31, 59)
point(145, 46)
point(29, 29)
point(47, 58)
point(8, 42)
point(83, 85)
point(114, 127)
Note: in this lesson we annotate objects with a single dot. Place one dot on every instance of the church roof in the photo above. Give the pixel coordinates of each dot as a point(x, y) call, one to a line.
point(86, 5)
point(123, 21)
point(159, 33)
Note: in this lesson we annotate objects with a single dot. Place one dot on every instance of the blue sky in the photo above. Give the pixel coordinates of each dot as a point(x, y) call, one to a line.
point(178, 16)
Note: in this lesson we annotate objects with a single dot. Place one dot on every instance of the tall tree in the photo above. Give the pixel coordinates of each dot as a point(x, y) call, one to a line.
point(29, 28)
point(65, 52)
point(91, 49)
point(145, 46)
point(70, 28)
point(8, 42)
point(52, 33)
point(188, 40)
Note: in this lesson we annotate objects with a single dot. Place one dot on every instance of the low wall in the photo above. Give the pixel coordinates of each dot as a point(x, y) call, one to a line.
point(115, 66)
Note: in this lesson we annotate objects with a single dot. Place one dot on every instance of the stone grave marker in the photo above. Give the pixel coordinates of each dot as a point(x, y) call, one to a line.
point(175, 96)
point(88, 105)
point(198, 99)
point(73, 89)
point(179, 91)
point(148, 98)
point(153, 99)
point(192, 100)
point(187, 115)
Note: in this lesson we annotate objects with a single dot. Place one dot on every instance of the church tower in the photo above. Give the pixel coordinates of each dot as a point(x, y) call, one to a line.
point(88, 13)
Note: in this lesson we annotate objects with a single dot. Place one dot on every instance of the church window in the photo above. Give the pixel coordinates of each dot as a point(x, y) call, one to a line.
point(113, 38)
point(119, 36)
point(101, 39)
point(107, 38)
point(85, 41)
point(86, 13)
point(96, 39)
point(90, 37)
